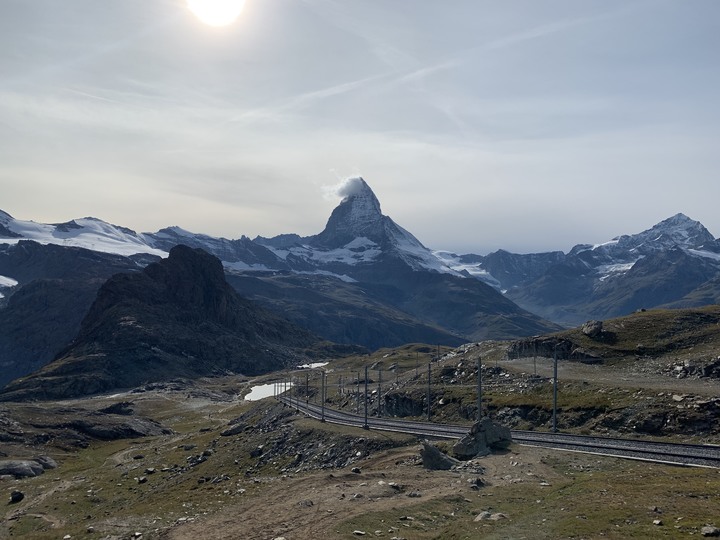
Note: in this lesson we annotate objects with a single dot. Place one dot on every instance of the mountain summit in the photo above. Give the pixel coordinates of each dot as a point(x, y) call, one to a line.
point(357, 215)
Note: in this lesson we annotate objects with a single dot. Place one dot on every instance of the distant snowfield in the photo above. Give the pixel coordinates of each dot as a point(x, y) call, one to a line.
point(88, 233)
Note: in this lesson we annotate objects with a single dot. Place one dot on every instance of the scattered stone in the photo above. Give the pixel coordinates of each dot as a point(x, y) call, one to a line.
point(16, 497)
point(434, 460)
point(138, 456)
point(142, 480)
point(414, 494)
point(482, 516)
point(710, 530)
point(359, 533)
point(90, 529)
point(476, 483)
point(355, 470)
point(498, 516)
point(657, 522)
point(150, 470)
point(484, 436)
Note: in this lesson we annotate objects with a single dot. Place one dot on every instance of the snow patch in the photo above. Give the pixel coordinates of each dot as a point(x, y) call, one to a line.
point(705, 254)
point(612, 270)
point(7, 282)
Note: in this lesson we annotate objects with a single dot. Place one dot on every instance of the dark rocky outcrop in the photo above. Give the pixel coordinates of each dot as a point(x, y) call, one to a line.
point(176, 318)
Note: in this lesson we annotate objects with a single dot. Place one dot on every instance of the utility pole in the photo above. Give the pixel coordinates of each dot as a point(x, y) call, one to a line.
point(379, 410)
point(428, 389)
point(555, 390)
point(322, 396)
point(307, 388)
point(365, 425)
point(479, 390)
point(357, 411)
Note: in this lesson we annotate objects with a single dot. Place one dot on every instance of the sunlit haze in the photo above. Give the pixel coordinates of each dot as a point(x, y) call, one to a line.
point(216, 12)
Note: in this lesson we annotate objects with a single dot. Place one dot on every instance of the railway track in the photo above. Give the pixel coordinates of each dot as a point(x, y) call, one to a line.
point(695, 455)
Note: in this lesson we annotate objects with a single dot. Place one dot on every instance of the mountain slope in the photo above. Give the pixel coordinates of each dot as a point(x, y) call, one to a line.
point(176, 318)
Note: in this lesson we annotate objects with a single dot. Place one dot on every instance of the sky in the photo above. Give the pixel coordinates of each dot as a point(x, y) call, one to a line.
point(524, 125)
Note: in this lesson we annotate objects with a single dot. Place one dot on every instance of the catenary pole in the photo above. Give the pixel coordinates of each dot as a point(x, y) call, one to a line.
point(366, 426)
point(479, 389)
point(555, 389)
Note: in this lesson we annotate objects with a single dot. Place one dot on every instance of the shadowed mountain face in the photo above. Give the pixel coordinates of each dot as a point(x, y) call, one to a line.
point(55, 288)
point(177, 318)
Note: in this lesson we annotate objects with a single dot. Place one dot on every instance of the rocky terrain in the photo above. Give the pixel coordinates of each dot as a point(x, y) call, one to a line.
point(187, 458)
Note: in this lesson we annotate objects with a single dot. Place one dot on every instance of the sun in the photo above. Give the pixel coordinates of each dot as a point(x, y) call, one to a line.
point(216, 12)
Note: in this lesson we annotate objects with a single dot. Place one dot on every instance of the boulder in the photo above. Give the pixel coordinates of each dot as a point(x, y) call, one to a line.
point(710, 531)
point(21, 468)
point(484, 436)
point(434, 460)
point(592, 328)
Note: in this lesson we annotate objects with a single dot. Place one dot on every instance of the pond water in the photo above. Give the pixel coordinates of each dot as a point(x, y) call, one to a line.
point(265, 390)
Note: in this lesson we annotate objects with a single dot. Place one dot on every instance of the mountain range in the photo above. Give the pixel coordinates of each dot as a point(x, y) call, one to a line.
point(362, 280)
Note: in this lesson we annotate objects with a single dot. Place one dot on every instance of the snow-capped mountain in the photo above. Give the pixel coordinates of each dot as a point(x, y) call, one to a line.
point(357, 233)
point(89, 233)
point(655, 267)
point(359, 244)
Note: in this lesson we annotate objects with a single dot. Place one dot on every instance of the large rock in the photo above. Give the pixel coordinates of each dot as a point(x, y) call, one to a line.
point(434, 460)
point(592, 329)
point(483, 437)
point(21, 468)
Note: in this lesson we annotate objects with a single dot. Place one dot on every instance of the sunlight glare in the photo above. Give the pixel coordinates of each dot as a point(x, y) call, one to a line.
point(216, 12)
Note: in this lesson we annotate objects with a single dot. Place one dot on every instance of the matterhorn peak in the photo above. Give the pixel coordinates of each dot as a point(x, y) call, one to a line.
point(365, 206)
point(357, 215)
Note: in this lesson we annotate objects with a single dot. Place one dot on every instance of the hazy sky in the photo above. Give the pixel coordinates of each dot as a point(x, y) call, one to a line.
point(527, 125)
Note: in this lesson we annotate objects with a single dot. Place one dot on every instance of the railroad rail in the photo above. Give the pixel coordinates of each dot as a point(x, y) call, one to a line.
point(694, 455)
